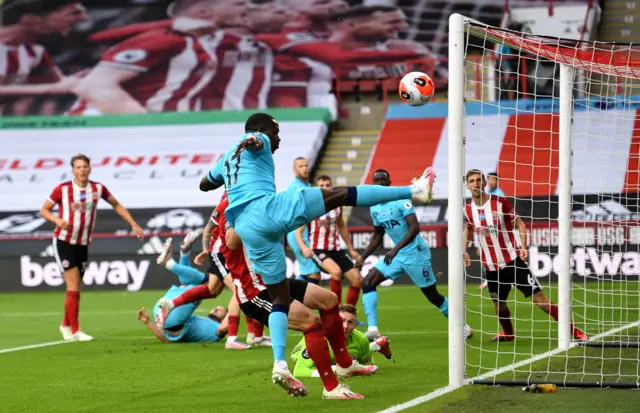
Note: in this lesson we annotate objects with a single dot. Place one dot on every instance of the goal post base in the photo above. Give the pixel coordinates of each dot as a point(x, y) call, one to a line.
point(565, 384)
point(607, 344)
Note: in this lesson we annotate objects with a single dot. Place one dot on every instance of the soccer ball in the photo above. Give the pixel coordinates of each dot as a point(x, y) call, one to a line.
point(416, 88)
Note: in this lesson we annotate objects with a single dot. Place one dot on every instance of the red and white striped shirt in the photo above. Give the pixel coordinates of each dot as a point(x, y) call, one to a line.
point(324, 233)
point(248, 284)
point(214, 243)
point(25, 63)
point(78, 207)
point(493, 223)
point(181, 72)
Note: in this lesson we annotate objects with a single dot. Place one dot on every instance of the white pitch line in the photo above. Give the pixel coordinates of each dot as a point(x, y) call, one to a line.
point(448, 389)
point(32, 346)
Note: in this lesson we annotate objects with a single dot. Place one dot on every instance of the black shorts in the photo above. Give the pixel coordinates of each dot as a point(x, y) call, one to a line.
point(218, 266)
point(68, 256)
point(516, 272)
point(259, 308)
point(340, 257)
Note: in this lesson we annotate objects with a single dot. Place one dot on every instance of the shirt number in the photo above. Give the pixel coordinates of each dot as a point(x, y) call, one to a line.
point(236, 169)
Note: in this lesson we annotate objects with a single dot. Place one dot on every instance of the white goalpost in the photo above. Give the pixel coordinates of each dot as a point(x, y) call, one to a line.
point(565, 142)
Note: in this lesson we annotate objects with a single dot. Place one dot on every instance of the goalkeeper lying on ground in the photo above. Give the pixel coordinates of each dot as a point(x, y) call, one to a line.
point(357, 344)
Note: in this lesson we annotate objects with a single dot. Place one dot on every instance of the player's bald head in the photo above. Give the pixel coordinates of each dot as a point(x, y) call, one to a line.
point(381, 177)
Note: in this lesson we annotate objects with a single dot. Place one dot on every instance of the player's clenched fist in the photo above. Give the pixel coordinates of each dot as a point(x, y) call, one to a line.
point(467, 259)
point(143, 316)
point(61, 223)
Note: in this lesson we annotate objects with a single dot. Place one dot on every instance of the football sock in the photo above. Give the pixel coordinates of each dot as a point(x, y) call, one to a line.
point(250, 328)
point(65, 318)
point(332, 325)
point(258, 328)
point(553, 312)
point(197, 293)
point(444, 308)
point(369, 195)
point(336, 287)
point(370, 303)
point(234, 323)
point(504, 317)
point(319, 353)
point(187, 275)
point(353, 293)
point(185, 259)
point(278, 325)
point(72, 308)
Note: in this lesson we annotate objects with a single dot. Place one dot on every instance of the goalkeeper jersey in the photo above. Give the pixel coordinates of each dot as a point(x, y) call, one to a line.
point(357, 346)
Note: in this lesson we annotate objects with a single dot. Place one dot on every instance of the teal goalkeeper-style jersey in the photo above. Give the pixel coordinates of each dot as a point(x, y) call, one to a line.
point(357, 346)
point(392, 217)
point(248, 177)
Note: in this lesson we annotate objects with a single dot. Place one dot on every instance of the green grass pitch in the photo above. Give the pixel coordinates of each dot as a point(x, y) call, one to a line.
point(127, 370)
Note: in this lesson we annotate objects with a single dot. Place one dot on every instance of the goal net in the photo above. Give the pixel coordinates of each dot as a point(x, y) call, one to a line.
point(558, 121)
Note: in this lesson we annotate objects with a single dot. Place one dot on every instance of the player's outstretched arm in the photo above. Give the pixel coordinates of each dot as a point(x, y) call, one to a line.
point(102, 89)
point(124, 214)
point(374, 243)
point(143, 316)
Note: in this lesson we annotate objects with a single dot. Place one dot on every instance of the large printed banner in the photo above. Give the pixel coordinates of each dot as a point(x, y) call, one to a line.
point(520, 141)
point(146, 162)
point(108, 56)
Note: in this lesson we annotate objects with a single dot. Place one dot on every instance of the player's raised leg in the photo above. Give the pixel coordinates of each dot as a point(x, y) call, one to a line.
point(318, 201)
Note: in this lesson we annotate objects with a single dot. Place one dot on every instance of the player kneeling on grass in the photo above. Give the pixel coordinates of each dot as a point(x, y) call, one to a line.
point(493, 219)
point(411, 255)
point(357, 344)
point(192, 280)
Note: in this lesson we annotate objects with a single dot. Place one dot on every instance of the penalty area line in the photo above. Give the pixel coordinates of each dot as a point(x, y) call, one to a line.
point(32, 346)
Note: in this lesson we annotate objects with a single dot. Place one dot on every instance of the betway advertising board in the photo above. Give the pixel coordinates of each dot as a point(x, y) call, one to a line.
point(147, 162)
point(600, 252)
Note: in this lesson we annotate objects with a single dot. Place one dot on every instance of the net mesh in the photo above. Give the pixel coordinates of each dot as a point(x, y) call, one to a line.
point(511, 90)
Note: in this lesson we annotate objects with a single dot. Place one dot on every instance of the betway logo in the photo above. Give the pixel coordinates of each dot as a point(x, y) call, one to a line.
point(116, 272)
point(608, 210)
point(587, 262)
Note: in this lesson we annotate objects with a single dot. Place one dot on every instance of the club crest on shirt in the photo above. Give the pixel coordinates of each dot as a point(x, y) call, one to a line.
point(408, 205)
point(305, 354)
point(495, 216)
point(481, 216)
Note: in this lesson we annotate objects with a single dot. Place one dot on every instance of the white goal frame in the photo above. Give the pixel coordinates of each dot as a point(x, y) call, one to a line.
point(456, 198)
